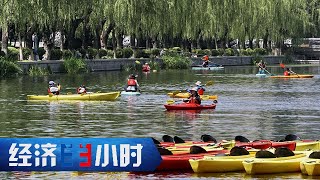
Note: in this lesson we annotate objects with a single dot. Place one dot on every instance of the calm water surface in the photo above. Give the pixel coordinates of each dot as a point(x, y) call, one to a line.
point(257, 108)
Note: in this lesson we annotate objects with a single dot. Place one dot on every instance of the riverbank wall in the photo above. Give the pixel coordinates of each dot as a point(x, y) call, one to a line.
point(56, 66)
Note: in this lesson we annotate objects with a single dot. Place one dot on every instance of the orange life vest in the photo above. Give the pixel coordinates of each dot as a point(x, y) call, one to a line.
point(286, 73)
point(200, 91)
point(132, 82)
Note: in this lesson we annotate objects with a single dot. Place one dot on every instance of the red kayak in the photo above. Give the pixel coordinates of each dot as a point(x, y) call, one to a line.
point(181, 162)
point(188, 106)
point(265, 144)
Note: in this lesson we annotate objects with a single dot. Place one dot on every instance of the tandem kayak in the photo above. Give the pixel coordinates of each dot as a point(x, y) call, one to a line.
point(188, 106)
point(187, 95)
point(294, 76)
point(85, 97)
point(207, 68)
point(130, 93)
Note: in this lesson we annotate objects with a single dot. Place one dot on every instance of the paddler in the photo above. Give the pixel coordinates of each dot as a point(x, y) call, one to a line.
point(146, 67)
point(53, 88)
point(82, 89)
point(194, 98)
point(205, 59)
point(132, 84)
point(262, 66)
point(199, 87)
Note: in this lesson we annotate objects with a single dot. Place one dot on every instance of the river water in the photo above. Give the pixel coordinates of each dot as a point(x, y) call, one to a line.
point(257, 108)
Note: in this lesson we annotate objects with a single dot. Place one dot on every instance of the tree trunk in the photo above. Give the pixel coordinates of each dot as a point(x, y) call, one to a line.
point(105, 35)
point(119, 40)
point(96, 40)
point(20, 47)
point(28, 41)
point(215, 41)
point(198, 42)
point(61, 40)
point(250, 43)
point(71, 33)
point(154, 43)
point(85, 34)
point(4, 39)
point(147, 43)
point(114, 43)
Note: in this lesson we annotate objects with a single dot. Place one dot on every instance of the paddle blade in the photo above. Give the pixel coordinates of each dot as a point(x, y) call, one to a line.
point(282, 66)
point(209, 83)
point(138, 62)
point(170, 101)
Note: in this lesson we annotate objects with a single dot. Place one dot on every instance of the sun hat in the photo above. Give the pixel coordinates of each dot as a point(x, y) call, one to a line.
point(198, 83)
point(51, 82)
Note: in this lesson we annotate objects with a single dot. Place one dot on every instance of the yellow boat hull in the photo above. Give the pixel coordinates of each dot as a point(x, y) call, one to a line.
point(83, 97)
point(273, 165)
point(186, 95)
point(304, 146)
point(310, 166)
point(294, 76)
point(218, 164)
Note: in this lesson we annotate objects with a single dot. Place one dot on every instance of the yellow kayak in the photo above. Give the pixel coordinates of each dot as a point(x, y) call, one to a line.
point(186, 95)
point(85, 97)
point(310, 166)
point(219, 164)
point(304, 146)
point(294, 76)
point(273, 165)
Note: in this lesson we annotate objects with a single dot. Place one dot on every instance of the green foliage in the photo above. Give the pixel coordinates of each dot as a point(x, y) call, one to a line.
point(8, 67)
point(215, 52)
point(138, 53)
point(119, 53)
point(67, 54)
point(41, 52)
point(2, 54)
point(13, 54)
point(83, 53)
point(56, 54)
point(146, 53)
point(127, 52)
point(154, 65)
point(256, 59)
point(74, 65)
point(229, 52)
point(260, 51)
point(92, 53)
point(38, 71)
point(155, 52)
point(176, 62)
point(26, 52)
point(133, 67)
point(200, 52)
point(102, 53)
point(176, 49)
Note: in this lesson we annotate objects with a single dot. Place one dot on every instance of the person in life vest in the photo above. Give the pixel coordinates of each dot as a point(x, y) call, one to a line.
point(262, 66)
point(53, 88)
point(205, 59)
point(82, 89)
point(132, 84)
point(195, 97)
point(146, 67)
point(199, 87)
point(287, 72)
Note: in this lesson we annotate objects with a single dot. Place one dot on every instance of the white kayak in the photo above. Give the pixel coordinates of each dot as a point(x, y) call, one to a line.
point(130, 93)
point(215, 67)
point(261, 75)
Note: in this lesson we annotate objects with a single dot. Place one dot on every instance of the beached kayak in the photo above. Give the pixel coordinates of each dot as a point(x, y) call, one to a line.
point(310, 166)
point(187, 95)
point(130, 93)
point(207, 68)
point(273, 165)
point(221, 164)
point(294, 76)
point(85, 97)
point(188, 106)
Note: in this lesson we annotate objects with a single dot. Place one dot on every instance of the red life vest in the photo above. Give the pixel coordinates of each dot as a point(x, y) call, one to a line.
point(200, 91)
point(286, 73)
point(132, 82)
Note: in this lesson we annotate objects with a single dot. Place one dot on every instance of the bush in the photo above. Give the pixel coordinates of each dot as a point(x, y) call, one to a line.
point(200, 52)
point(119, 53)
point(38, 71)
point(138, 53)
point(8, 68)
point(146, 53)
point(155, 52)
point(127, 52)
point(249, 52)
point(260, 51)
point(229, 52)
point(221, 51)
point(13, 54)
point(176, 49)
point(2, 54)
point(83, 53)
point(215, 52)
point(74, 65)
point(92, 53)
point(26, 52)
point(67, 54)
point(176, 62)
point(41, 52)
point(110, 53)
point(56, 54)
point(102, 53)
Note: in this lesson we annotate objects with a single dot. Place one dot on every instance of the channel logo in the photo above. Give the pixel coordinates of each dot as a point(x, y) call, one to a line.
point(78, 154)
